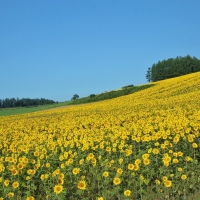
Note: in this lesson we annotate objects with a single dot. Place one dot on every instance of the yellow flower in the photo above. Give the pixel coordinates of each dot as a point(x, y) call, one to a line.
point(116, 181)
point(58, 189)
point(60, 181)
point(82, 185)
point(168, 183)
point(145, 156)
point(48, 165)
point(46, 176)
point(42, 177)
point(30, 198)
point(106, 174)
point(15, 184)
point(75, 171)
point(6, 182)
point(180, 153)
point(164, 178)
point(175, 160)
point(180, 169)
point(183, 177)
point(119, 171)
point(155, 151)
point(187, 158)
point(100, 198)
point(29, 171)
point(10, 194)
point(146, 161)
point(157, 182)
point(130, 166)
point(14, 172)
point(127, 193)
point(194, 145)
point(157, 144)
point(81, 161)
point(120, 161)
point(137, 161)
point(136, 167)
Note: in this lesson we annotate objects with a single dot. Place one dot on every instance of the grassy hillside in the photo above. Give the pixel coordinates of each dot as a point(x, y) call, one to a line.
point(140, 146)
point(111, 94)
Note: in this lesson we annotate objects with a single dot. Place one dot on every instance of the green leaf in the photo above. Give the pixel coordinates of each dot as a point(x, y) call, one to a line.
point(141, 191)
point(146, 181)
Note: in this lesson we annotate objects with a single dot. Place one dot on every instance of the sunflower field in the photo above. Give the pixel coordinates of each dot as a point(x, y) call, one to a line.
point(141, 146)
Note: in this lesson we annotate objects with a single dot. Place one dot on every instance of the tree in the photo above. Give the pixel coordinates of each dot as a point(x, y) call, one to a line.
point(172, 68)
point(75, 96)
point(148, 75)
point(92, 95)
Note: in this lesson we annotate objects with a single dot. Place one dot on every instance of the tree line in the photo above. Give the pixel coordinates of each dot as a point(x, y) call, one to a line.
point(24, 102)
point(172, 67)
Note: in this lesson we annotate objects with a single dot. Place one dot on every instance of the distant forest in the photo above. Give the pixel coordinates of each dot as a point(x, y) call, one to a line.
point(24, 102)
point(172, 67)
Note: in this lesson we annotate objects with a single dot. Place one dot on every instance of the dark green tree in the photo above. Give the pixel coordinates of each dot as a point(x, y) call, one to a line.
point(172, 68)
point(75, 96)
point(148, 75)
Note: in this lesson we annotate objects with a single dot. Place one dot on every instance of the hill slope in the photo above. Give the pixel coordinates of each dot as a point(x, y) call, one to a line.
point(144, 146)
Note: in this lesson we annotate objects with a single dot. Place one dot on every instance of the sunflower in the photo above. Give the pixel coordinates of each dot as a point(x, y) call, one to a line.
point(116, 181)
point(10, 194)
point(155, 151)
point(15, 184)
point(194, 145)
point(146, 161)
point(30, 198)
point(168, 183)
point(6, 182)
point(75, 171)
point(58, 189)
point(82, 185)
point(105, 174)
point(183, 177)
point(130, 166)
point(127, 193)
point(119, 171)
point(60, 181)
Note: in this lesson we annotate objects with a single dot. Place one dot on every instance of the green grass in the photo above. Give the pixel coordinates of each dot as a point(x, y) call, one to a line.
point(23, 110)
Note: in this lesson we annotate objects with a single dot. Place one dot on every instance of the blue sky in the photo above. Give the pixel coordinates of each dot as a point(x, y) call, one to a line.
point(56, 48)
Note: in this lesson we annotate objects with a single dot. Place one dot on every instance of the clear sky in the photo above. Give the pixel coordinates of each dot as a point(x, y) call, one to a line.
point(56, 48)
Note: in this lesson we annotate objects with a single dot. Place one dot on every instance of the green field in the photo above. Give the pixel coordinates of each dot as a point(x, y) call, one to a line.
point(23, 110)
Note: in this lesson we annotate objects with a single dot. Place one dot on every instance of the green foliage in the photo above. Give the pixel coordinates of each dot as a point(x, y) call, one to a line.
point(112, 94)
point(127, 86)
point(148, 75)
point(75, 96)
point(24, 102)
point(92, 95)
point(172, 68)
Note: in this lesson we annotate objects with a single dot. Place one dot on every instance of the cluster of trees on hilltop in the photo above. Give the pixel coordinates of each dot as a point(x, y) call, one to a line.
point(173, 67)
point(24, 102)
